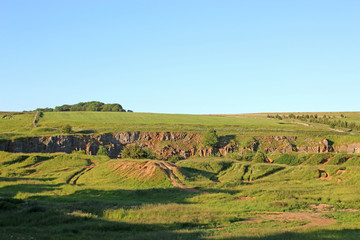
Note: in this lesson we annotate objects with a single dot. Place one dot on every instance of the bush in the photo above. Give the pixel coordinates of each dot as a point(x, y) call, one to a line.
point(234, 155)
point(102, 151)
point(210, 138)
point(259, 157)
point(66, 129)
point(247, 155)
point(135, 151)
point(174, 158)
point(82, 152)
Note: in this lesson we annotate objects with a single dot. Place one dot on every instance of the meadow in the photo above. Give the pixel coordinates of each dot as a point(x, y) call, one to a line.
point(243, 125)
point(77, 196)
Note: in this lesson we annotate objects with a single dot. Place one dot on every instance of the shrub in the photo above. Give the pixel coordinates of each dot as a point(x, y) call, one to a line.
point(82, 152)
point(247, 155)
point(174, 158)
point(134, 151)
point(102, 151)
point(259, 157)
point(234, 155)
point(210, 138)
point(66, 129)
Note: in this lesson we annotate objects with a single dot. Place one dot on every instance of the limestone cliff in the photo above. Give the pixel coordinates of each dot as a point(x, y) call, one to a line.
point(167, 144)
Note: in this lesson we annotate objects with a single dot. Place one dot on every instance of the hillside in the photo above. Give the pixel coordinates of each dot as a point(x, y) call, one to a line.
point(50, 123)
point(265, 178)
point(76, 196)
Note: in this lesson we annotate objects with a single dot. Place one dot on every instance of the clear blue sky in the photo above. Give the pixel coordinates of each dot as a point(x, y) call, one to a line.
point(181, 56)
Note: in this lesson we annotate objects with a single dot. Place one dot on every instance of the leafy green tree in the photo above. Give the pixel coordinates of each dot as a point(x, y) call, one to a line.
point(66, 129)
point(210, 138)
point(102, 151)
point(133, 151)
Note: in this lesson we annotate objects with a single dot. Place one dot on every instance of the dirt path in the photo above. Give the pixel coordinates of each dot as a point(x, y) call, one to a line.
point(145, 170)
point(324, 127)
point(75, 177)
point(170, 171)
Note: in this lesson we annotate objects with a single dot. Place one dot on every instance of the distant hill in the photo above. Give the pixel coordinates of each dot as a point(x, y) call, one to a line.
point(86, 106)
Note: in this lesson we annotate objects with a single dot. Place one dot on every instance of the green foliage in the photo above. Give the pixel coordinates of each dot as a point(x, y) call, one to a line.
point(174, 158)
point(66, 129)
point(102, 151)
point(247, 155)
point(81, 152)
point(135, 152)
point(210, 138)
point(86, 106)
point(260, 157)
point(234, 155)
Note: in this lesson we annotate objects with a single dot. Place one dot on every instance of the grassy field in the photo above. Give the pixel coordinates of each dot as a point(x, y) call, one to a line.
point(75, 196)
point(244, 125)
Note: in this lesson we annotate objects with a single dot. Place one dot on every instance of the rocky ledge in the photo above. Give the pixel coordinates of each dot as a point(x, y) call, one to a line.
point(167, 144)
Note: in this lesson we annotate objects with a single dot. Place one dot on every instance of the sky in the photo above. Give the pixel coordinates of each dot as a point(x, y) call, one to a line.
point(181, 56)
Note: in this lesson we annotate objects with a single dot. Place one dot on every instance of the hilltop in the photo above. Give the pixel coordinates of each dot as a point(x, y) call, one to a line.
point(86, 106)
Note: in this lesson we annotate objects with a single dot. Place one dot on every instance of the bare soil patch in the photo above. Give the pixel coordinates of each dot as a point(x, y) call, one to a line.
point(145, 170)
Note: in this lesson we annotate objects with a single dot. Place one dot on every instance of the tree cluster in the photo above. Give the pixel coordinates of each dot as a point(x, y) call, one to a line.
point(325, 119)
point(86, 106)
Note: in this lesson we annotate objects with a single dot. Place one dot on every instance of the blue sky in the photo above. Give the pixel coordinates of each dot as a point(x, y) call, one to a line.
point(181, 56)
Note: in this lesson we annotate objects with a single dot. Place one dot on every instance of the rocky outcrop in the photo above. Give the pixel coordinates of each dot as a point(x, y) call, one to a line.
point(168, 144)
point(320, 147)
point(183, 144)
point(348, 148)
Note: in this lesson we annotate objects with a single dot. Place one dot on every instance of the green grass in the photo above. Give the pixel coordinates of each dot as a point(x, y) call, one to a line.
point(234, 199)
point(245, 125)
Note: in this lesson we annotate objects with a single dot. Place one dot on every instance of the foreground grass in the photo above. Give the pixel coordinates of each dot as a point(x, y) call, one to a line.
point(40, 199)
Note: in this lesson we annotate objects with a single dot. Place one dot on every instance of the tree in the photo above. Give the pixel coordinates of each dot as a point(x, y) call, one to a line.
point(102, 151)
point(210, 138)
point(133, 151)
point(67, 129)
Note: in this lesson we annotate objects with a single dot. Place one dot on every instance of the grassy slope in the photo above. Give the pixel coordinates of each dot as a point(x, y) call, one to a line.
point(38, 200)
point(244, 125)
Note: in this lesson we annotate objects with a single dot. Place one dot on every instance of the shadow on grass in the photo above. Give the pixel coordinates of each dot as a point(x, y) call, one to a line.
point(15, 179)
point(86, 131)
point(81, 216)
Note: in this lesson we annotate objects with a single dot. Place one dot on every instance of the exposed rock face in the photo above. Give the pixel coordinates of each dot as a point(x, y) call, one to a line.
point(166, 144)
point(349, 148)
point(183, 144)
point(206, 152)
point(322, 146)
